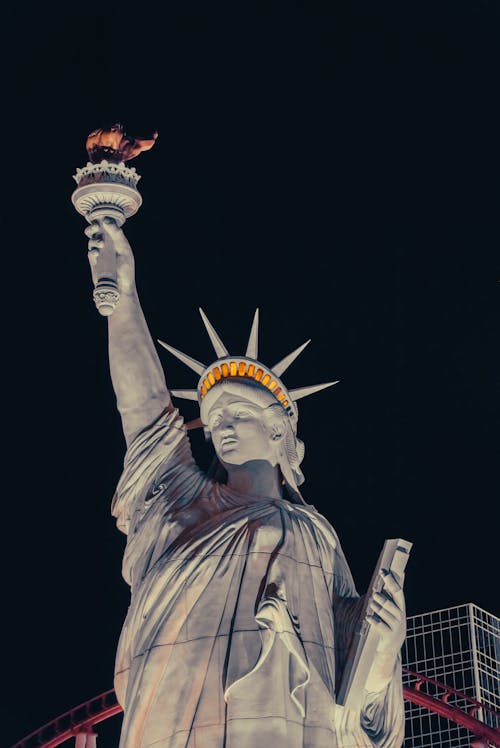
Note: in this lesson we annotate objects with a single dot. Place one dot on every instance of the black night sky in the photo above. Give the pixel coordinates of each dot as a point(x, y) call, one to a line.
point(335, 165)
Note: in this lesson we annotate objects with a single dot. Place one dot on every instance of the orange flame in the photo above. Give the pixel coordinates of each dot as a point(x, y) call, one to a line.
point(113, 144)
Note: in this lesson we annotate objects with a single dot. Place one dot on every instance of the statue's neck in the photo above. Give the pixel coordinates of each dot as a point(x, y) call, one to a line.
point(255, 478)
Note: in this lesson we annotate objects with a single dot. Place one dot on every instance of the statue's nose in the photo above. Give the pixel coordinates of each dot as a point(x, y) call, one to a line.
point(227, 424)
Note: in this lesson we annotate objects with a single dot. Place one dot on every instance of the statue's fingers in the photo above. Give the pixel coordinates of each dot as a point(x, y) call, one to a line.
point(383, 619)
point(378, 624)
point(112, 230)
point(390, 580)
point(94, 247)
point(109, 227)
point(96, 243)
point(380, 602)
point(92, 230)
point(393, 588)
point(105, 222)
point(93, 256)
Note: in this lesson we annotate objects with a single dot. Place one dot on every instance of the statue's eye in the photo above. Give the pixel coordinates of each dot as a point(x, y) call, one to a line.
point(241, 413)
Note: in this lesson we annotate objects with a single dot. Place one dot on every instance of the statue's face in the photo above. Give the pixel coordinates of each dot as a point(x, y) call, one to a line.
point(240, 432)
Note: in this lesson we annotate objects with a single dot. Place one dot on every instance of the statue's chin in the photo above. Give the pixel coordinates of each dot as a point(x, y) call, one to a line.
point(253, 464)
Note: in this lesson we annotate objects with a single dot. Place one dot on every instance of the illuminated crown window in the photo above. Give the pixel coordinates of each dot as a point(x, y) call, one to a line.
point(242, 369)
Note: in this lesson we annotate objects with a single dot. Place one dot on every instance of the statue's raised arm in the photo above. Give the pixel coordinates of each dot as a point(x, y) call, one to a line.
point(136, 371)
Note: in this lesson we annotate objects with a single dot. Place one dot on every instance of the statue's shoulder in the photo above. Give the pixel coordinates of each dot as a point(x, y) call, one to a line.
point(314, 519)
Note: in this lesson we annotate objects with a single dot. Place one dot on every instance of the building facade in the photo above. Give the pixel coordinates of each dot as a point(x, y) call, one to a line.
point(460, 647)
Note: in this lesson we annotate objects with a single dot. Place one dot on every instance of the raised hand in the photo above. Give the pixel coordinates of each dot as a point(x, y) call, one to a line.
point(110, 254)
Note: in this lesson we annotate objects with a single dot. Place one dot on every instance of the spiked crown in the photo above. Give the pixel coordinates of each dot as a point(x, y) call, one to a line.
point(245, 369)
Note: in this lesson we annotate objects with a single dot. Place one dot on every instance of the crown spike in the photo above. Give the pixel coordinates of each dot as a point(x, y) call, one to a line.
point(191, 362)
point(300, 392)
point(217, 343)
point(253, 340)
point(283, 365)
point(185, 394)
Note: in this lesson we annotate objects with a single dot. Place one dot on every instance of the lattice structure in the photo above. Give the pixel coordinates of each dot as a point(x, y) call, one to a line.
point(459, 647)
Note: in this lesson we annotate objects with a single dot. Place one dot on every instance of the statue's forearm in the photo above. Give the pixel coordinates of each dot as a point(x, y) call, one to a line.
point(136, 371)
point(381, 672)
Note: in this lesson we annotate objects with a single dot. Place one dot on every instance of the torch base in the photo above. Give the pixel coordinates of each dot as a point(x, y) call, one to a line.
point(107, 199)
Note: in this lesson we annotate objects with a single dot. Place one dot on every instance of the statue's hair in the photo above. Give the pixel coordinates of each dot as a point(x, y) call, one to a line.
point(292, 446)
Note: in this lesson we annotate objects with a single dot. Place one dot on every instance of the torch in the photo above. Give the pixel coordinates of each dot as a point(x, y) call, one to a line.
point(107, 187)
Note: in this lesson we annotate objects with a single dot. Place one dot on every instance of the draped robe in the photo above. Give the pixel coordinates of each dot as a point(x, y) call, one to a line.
point(240, 616)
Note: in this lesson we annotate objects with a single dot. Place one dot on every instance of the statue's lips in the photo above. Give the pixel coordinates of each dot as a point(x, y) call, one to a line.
point(228, 443)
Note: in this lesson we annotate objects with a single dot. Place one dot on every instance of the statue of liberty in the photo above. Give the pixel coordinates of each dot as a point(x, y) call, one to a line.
point(242, 605)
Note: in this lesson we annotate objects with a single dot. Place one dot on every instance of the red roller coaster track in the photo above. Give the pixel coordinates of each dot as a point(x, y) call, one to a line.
point(83, 718)
point(484, 734)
